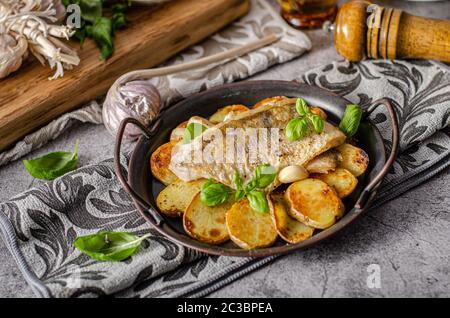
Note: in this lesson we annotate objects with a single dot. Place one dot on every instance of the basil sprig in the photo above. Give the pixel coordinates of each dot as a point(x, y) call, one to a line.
point(52, 165)
point(263, 176)
point(302, 126)
point(214, 193)
point(352, 118)
point(193, 130)
point(109, 246)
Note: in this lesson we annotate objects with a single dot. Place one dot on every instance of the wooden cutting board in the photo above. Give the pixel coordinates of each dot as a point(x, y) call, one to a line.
point(28, 100)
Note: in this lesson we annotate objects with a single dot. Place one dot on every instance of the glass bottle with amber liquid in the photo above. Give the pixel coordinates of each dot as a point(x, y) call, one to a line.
point(308, 14)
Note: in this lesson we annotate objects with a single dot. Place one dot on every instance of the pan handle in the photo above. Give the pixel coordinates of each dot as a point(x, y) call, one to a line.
point(365, 195)
point(148, 132)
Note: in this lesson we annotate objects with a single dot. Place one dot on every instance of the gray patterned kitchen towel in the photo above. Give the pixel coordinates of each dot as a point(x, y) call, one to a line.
point(420, 94)
point(40, 225)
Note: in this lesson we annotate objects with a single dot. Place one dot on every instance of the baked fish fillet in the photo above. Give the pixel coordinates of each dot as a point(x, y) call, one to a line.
point(212, 156)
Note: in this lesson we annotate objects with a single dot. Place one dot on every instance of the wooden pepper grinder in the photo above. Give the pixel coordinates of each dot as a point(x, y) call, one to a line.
point(364, 30)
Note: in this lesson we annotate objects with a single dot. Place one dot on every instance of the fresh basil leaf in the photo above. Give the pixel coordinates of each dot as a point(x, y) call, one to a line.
point(120, 7)
point(99, 20)
point(264, 175)
point(239, 183)
point(102, 33)
point(350, 121)
point(317, 123)
point(91, 9)
point(109, 246)
point(193, 130)
point(301, 106)
point(239, 195)
point(213, 193)
point(251, 185)
point(118, 21)
point(297, 128)
point(237, 180)
point(52, 165)
point(258, 201)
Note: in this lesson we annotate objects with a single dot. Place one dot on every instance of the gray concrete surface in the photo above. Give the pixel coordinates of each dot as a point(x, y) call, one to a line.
point(408, 237)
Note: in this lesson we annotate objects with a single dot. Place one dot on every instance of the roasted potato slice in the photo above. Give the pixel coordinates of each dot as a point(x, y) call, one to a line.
point(204, 223)
point(274, 100)
point(159, 163)
point(250, 229)
point(325, 162)
point(226, 112)
point(176, 197)
point(314, 203)
point(342, 180)
point(290, 230)
point(177, 133)
point(354, 159)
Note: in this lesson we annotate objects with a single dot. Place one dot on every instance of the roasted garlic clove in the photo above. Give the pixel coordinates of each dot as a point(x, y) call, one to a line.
point(291, 174)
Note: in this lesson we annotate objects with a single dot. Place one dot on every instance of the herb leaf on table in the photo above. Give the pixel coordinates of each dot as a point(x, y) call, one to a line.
point(52, 165)
point(109, 246)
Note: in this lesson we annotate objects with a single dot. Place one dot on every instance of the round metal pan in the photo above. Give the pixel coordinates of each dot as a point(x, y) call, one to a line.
point(144, 188)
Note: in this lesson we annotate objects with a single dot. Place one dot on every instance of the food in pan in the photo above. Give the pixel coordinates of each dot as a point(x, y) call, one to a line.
point(253, 174)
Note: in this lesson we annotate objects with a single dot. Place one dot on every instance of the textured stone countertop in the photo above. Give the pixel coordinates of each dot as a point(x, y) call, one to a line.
point(408, 237)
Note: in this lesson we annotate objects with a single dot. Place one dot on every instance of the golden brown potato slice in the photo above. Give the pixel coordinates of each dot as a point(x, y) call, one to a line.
point(206, 224)
point(354, 159)
point(176, 197)
point(290, 230)
point(159, 163)
point(177, 133)
point(325, 162)
point(227, 112)
point(314, 203)
point(274, 100)
point(250, 229)
point(342, 180)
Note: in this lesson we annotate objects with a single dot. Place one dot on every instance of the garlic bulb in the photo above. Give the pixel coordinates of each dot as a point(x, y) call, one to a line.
point(31, 21)
point(138, 99)
point(12, 53)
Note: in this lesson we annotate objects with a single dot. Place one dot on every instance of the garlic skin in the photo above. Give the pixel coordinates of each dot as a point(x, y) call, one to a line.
point(12, 53)
point(291, 174)
point(138, 99)
point(57, 5)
